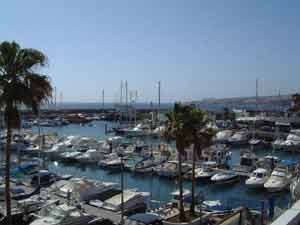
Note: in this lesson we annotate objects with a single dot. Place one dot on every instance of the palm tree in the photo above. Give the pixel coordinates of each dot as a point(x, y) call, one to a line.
point(177, 129)
point(201, 136)
point(20, 85)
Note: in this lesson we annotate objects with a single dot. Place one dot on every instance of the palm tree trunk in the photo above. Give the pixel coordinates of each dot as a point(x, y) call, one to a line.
point(192, 209)
point(7, 172)
point(181, 209)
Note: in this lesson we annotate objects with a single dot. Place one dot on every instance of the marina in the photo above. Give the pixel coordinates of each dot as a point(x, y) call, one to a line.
point(149, 113)
point(156, 177)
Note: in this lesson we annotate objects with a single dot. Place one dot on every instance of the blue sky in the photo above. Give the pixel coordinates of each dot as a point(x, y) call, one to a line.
point(197, 48)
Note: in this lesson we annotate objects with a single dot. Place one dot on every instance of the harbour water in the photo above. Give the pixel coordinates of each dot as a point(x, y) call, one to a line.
point(160, 188)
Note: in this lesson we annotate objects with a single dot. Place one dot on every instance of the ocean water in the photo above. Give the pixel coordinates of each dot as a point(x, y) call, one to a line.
point(160, 188)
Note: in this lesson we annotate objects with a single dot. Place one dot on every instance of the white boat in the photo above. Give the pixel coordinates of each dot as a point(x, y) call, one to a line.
point(81, 189)
point(60, 147)
point(115, 164)
point(224, 178)
point(185, 194)
point(104, 147)
point(268, 162)
point(69, 156)
point(277, 144)
point(258, 178)
point(291, 143)
point(31, 149)
point(217, 153)
point(111, 161)
point(139, 130)
point(206, 171)
point(61, 214)
point(90, 156)
point(133, 200)
point(295, 189)
point(145, 166)
point(170, 169)
point(239, 138)
point(248, 160)
point(256, 143)
point(223, 136)
point(281, 177)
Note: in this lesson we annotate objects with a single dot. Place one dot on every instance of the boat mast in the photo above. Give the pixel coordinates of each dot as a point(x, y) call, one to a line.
point(126, 99)
point(122, 190)
point(136, 97)
point(256, 107)
point(256, 100)
point(60, 100)
point(158, 108)
point(55, 93)
point(121, 100)
point(103, 100)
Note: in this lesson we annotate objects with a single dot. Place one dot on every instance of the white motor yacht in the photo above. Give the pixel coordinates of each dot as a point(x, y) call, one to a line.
point(61, 214)
point(239, 138)
point(170, 169)
point(185, 194)
point(256, 143)
point(281, 177)
point(206, 171)
point(111, 161)
point(277, 144)
point(223, 136)
point(90, 156)
point(248, 160)
point(31, 149)
point(69, 156)
point(133, 200)
point(224, 178)
point(145, 166)
point(81, 189)
point(217, 153)
point(258, 178)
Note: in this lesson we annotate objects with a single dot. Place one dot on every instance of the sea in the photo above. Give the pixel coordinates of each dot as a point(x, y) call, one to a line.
point(160, 188)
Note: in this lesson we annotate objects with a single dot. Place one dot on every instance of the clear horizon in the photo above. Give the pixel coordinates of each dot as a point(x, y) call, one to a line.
point(197, 49)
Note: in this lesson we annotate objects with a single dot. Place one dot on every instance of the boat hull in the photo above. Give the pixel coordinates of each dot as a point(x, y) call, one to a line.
point(226, 180)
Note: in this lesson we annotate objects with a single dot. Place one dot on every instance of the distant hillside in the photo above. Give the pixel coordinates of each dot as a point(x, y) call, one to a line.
point(267, 103)
point(246, 100)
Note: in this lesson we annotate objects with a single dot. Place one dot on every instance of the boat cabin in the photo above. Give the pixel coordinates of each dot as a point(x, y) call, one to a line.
point(216, 153)
point(260, 173)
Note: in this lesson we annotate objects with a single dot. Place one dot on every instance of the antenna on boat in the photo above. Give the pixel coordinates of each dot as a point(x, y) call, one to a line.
point(55, 98)
point(126, 99)
point(256, 100)
point(103, 99)
point(136, 97)
point(60, 100)
point(121, 94)
point(158, 110)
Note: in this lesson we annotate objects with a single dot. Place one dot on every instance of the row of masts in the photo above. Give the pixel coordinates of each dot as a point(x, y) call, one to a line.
point(127, 98)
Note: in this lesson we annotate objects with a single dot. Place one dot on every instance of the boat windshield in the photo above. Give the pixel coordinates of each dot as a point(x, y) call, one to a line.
point(259, 175)
point(278, 173)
